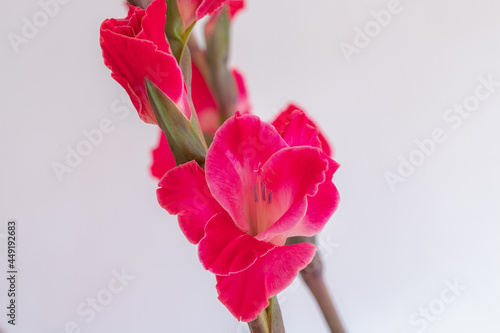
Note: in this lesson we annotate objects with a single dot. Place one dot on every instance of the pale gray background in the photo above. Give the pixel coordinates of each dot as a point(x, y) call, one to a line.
point(389, 252)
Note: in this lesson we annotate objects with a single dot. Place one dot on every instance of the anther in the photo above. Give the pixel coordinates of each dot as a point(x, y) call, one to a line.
point(270, 197)
point(255, 197)
point(264, 191)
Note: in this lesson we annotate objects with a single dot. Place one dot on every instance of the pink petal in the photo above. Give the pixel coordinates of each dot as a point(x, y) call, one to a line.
point(132, 57)
point(319, 210)
point(243, 103)
point(207, 7)
point(298, 132)
point(240, 147)
point(132, 60)
point(204, 103)
point(163, 159)
point(246, 294)
point(226, 250)
point(194, 10)
point(235, 6)
point(183, 191)
point(282, 122)
point(155, 17)
point(320, 207)
point(293, 175)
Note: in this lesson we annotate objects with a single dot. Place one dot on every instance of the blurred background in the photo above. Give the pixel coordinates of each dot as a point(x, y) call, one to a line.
point(408, 93)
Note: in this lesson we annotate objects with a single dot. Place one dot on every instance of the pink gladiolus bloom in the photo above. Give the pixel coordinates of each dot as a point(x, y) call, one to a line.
point(258, 188)
point(135, 48)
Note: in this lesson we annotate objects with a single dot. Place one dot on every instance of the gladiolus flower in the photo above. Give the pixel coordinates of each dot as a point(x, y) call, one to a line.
point(136, 48)
point(258, 188)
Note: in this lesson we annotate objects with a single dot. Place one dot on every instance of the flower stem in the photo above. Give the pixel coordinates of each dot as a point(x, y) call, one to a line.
point(269, 320)
point(313, 277)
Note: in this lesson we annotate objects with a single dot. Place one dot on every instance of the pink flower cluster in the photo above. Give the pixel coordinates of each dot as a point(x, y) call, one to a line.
point(261, 183)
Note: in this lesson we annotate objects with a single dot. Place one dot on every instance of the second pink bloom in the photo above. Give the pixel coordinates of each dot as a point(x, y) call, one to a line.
point(258, 188)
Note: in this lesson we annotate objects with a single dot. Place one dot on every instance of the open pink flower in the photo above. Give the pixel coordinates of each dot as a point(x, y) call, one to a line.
point(135, 48)
point(282, 122)
point(255, 192)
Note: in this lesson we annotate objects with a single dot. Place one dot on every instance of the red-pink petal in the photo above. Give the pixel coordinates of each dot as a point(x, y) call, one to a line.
point(154, 18)
point(163, 159)
point(226, 250)
point(243, 103)
point(292, 174)
point(240, 147)
point(193, 10)
point(204, 102)
point(320, 207)
point(206, 105)
point(142, 53)
point(282, 122)
point(132, 60)
point(235, 6)
point(183, 191)
point(207, 7)
point(298, 131)
point(246, 294)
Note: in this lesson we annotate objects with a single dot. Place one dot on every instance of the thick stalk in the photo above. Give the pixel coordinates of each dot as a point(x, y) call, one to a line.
point(313, 277)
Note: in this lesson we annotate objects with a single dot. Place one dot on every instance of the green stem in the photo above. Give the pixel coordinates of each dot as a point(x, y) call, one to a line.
point(269, 320)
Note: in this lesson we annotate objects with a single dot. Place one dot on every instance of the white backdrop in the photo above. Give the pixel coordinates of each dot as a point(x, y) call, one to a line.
point(420, 256)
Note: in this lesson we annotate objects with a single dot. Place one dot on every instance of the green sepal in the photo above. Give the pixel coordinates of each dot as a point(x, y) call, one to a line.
point(182, 137)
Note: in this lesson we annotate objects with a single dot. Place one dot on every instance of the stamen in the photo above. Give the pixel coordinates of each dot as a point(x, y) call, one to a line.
point(270, 198)
point(255, 197)
point(264, 191)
